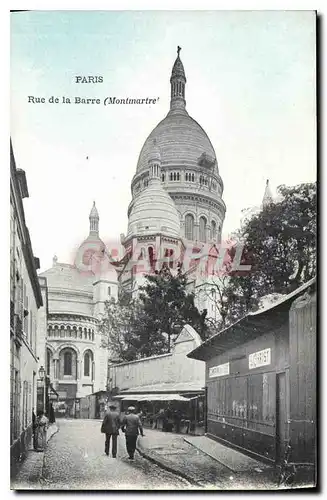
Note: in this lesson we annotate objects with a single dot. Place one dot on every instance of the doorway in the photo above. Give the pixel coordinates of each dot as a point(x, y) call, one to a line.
point(281, 416)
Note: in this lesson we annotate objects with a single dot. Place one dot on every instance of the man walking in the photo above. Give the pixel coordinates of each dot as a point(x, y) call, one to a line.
point(110, 427)
point(131, 425)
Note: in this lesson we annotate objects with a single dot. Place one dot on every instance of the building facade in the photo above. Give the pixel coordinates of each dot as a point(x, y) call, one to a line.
point(26, 310)
point(261, 380)
point(167, 380)
point(75, 360)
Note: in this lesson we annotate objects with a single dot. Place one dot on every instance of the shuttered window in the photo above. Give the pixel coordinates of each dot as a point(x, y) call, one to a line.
point(25, 310)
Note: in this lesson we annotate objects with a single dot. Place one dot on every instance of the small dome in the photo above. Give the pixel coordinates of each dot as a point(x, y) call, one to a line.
point(154, 212)
point(178, 69)
point(94, 212)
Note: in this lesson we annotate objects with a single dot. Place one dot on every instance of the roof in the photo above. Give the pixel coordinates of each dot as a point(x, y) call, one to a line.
point(154, 212)
point(249, 327)
point(152, 397)
point(165, 387)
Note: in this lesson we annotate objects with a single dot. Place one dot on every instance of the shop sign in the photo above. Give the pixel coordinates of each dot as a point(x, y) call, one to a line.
point(260, 358)
point(219, 371)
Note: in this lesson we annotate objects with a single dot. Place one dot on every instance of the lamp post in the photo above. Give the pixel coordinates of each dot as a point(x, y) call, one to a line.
point(42, 378)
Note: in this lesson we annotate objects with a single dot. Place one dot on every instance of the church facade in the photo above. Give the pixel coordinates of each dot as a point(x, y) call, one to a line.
point(75, 360)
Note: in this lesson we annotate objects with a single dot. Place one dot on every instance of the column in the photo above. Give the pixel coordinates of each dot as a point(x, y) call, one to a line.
point(196, 230)
point(55, 368)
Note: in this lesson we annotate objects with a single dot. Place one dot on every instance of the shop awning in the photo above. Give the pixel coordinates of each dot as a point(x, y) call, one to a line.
point(195, 387)
point(153, 397)
point(131, 397)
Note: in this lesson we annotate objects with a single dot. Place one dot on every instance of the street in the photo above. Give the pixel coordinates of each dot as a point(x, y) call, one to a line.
point(75, 459)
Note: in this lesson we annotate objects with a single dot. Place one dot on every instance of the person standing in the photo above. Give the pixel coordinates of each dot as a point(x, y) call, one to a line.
point(42, 426)
point(131, 426)
point(110, 427)
point(34, 426)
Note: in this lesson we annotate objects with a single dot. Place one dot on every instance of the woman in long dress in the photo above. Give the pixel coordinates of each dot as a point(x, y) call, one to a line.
point(41, 431)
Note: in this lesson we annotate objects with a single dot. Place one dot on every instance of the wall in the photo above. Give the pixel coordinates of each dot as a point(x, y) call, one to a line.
point(303, 325)
point(242, 404)
point(70, 302)
point(167, 368)
point(25, 299)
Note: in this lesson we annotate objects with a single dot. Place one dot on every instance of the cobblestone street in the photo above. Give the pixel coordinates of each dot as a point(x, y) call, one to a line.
point(75, 459)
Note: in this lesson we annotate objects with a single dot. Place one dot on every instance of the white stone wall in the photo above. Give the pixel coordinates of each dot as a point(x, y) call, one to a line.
point(70, 301)
point(42, 325)
point(169, 368)
point(23, 359)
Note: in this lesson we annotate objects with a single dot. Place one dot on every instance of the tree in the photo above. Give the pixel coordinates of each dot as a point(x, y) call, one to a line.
point(280, 246)
point(116, 327)
point(166, 306)
point(134, 329)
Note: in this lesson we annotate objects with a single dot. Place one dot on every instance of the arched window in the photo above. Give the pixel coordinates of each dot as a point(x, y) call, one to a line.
point(171, 176)
point(68, 363)
point(189, 227)
point(109, 291)
point(186, 176)
point(202, 229)
point(86, 364)
point(171, 258)
point(192, 177)
point(178, 176)
point(151, 257)
point(213, 230)
point(174, 176)
point(163, 177)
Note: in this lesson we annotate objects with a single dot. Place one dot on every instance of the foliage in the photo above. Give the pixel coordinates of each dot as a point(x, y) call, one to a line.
point(134, 329)
point(116, 327)
point(168, 306)
point(280, 246)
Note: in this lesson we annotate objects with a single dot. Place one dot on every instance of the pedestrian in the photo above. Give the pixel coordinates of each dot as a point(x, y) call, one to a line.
point(110, 427)
point(131, 425)
point(51, 414)
point(41, 430)
point(177, 420)
point(34, 428)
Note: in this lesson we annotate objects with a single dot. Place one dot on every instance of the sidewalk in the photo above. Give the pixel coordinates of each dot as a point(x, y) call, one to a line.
point(30, 471)
point(204, 462)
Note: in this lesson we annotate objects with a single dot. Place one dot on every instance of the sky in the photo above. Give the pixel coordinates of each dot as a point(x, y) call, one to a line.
point(250, 85)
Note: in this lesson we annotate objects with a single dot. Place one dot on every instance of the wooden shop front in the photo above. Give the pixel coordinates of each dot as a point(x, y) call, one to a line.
point(260, 379)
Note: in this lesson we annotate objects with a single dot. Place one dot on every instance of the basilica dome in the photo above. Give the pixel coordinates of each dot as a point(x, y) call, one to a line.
point(182, 142)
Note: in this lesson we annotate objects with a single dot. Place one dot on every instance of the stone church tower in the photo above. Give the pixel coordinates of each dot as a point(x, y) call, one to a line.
point(189, 167)
point(153, 235)
point(192, 212)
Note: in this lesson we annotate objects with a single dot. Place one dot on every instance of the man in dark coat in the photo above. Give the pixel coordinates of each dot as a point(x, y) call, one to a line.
point(110, 426)
point(131, 425)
